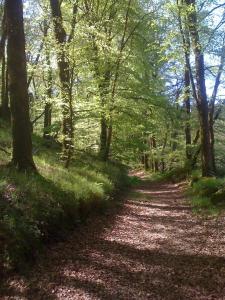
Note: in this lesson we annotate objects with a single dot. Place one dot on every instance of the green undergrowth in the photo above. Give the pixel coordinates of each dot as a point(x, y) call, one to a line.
point(207, 194)
point(38, 208)
point(134, 180)
point(175, 175)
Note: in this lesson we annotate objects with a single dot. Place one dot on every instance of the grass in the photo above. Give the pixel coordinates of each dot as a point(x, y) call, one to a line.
point(207, 195)
point(39, 208)
point(174, 175)
point(204, 206)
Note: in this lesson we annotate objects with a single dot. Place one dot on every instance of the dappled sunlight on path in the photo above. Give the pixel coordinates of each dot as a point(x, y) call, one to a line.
point(149, 247)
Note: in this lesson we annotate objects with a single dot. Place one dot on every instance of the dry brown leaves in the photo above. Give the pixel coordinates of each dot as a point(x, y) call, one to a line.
point(151, 247)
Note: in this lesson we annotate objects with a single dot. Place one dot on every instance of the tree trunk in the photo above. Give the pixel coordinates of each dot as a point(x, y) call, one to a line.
point(103, 86)
point(48, 105)
point(202, 103)
point(156, 163)
point(5, 110)
point(187, 104)
point(64, 75)
point(21, 133)
point(146, 161)
point(109, 139)
point(212, 102)
point(47, 120)
point(207, 158)
point(105, 135)
point(103, 139)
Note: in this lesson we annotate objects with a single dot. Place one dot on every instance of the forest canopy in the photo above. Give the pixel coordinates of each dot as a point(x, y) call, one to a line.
point(136, 81)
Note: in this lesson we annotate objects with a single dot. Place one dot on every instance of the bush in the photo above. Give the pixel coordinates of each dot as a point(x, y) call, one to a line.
point(206, 194)
point(218, 198)
point(174, 175)
point(207, 186)
point(195, 176)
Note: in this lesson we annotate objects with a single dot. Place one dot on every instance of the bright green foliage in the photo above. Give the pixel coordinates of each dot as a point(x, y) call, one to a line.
point(207, 186)
point(207, 195)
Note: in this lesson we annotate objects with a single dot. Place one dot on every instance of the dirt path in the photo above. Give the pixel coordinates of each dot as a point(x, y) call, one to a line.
point(152, 247)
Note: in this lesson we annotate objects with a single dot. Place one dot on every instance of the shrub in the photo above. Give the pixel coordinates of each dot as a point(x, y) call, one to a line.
point(206, 194)
point(175, 175)
point(219, 197)
point(195, 176)
point(207, 186)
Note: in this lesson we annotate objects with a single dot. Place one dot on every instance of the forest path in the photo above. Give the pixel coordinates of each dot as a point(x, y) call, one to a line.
point(149, 247)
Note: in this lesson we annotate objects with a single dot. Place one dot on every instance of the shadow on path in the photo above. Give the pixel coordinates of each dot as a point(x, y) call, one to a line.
point(152, 248)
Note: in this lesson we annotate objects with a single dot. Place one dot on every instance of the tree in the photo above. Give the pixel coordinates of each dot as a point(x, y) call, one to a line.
point(64, 74)
point(19, 101)
point(202, 102)
point(4, 109)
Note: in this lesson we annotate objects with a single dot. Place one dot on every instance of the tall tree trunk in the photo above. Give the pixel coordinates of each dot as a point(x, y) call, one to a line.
point(105, 135)
point(103, 138)
point(47, 120)
point(212, 102)
point(64, 74)
point(156, 162)
point(21, 133)
point(5, 110)
point(107, 127)
point(48, 104)
point(103, 86)
point(109, 138)
point(163, 164)
point(187, 104)
point(202, 103)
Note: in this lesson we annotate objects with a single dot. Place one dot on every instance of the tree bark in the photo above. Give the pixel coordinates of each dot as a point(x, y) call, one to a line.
point(212, 102)
point(156, 162)
point(187, 104)
point(202, 103)
point(48, 104)
point(103, 139)
point(22, 145)
point(5, 110)
point(64, 75)
point(188, 79)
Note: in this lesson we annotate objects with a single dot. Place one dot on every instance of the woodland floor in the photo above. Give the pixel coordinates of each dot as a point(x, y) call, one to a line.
point(150, 246)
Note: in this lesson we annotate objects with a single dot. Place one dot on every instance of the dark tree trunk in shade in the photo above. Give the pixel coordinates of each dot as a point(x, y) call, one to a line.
point(103, 139)
point(22, 145)
point(202, 103)
point(48, 105)
point(154, 147)
point(146, 161)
